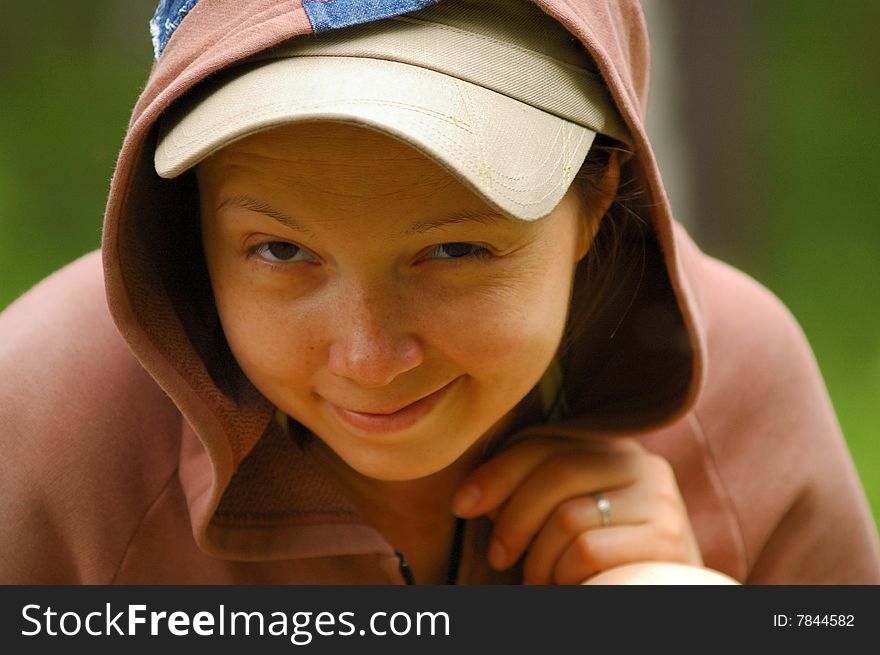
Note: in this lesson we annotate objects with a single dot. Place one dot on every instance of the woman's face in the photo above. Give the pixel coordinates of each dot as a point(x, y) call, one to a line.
point(375, 299)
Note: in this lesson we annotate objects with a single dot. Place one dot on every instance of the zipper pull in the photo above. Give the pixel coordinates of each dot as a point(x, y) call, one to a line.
point(405, 571)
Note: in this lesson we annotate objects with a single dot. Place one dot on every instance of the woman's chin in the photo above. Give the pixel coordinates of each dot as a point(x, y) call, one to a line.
point(398, 469)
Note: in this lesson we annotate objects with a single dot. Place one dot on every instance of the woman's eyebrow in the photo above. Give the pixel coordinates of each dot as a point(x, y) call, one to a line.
point(247, 202)
point(484, 218)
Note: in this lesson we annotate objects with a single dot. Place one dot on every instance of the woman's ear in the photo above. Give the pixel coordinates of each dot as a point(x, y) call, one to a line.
point(597, 203)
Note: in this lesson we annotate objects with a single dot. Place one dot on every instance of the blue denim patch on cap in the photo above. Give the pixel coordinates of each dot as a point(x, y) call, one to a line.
point(168, 16)
point(331, 14)
point(323, 14)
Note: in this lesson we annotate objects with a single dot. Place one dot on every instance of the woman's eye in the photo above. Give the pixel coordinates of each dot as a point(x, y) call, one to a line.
point(457, 250)
point(282, 252)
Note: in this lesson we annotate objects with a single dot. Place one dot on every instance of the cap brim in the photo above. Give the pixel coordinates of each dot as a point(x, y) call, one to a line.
point(520, 159)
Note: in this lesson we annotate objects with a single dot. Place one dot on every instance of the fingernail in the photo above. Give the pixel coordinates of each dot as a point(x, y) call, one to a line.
point(466, 498)
point(497, 555)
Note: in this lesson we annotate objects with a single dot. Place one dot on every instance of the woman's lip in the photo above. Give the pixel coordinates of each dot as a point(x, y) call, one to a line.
point(394, 421)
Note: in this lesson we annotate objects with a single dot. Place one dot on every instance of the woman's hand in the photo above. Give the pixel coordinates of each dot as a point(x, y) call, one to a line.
point(540, 494)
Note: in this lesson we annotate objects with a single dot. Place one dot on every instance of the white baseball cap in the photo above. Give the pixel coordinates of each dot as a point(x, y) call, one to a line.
point(495, 91)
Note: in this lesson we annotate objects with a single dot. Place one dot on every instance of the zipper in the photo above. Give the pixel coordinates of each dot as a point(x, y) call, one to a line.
point(405, 570)
point(454, 560)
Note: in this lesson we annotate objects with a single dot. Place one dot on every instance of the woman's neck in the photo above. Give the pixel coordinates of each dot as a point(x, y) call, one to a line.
point(415, 516)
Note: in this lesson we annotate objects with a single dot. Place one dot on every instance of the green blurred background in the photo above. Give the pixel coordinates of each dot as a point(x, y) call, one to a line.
point(768, 135)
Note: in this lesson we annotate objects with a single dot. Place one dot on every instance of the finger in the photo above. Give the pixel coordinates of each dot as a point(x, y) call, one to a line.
point(558, 479)
point(489, 485)
point(604, 548)
point(597, 550)
point(571, 518)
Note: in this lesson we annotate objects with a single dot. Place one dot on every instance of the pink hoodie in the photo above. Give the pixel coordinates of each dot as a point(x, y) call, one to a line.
point(135, 451)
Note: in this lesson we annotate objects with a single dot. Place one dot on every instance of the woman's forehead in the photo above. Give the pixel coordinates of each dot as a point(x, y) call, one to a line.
point(326, 143)
point(349, 166)
point(329, 171)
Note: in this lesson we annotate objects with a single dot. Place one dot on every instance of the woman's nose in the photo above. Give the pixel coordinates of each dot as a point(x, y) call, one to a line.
point(372, 345)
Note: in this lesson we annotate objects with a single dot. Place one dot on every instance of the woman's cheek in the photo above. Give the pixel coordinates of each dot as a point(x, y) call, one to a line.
point(516, 327)
point(265, 341)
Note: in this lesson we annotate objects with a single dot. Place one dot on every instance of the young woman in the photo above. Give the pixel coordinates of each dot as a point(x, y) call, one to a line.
point(402, 301)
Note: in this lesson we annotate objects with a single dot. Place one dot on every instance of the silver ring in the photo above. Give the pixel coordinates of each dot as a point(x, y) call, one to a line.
point(604, 507)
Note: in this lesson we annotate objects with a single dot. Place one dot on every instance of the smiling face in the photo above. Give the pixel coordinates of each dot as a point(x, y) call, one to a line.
point(375, 299)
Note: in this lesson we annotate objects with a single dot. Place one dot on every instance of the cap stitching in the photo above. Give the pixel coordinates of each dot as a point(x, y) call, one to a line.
point(464, 100)
point(506, 44)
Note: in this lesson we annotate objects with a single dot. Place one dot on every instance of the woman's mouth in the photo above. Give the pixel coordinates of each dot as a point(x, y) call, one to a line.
point(399, 419)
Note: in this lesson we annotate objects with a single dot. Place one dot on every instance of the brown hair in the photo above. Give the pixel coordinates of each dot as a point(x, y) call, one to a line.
point(617, 253)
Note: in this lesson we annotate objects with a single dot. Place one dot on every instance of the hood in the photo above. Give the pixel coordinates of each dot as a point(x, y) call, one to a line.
point(251, 492)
